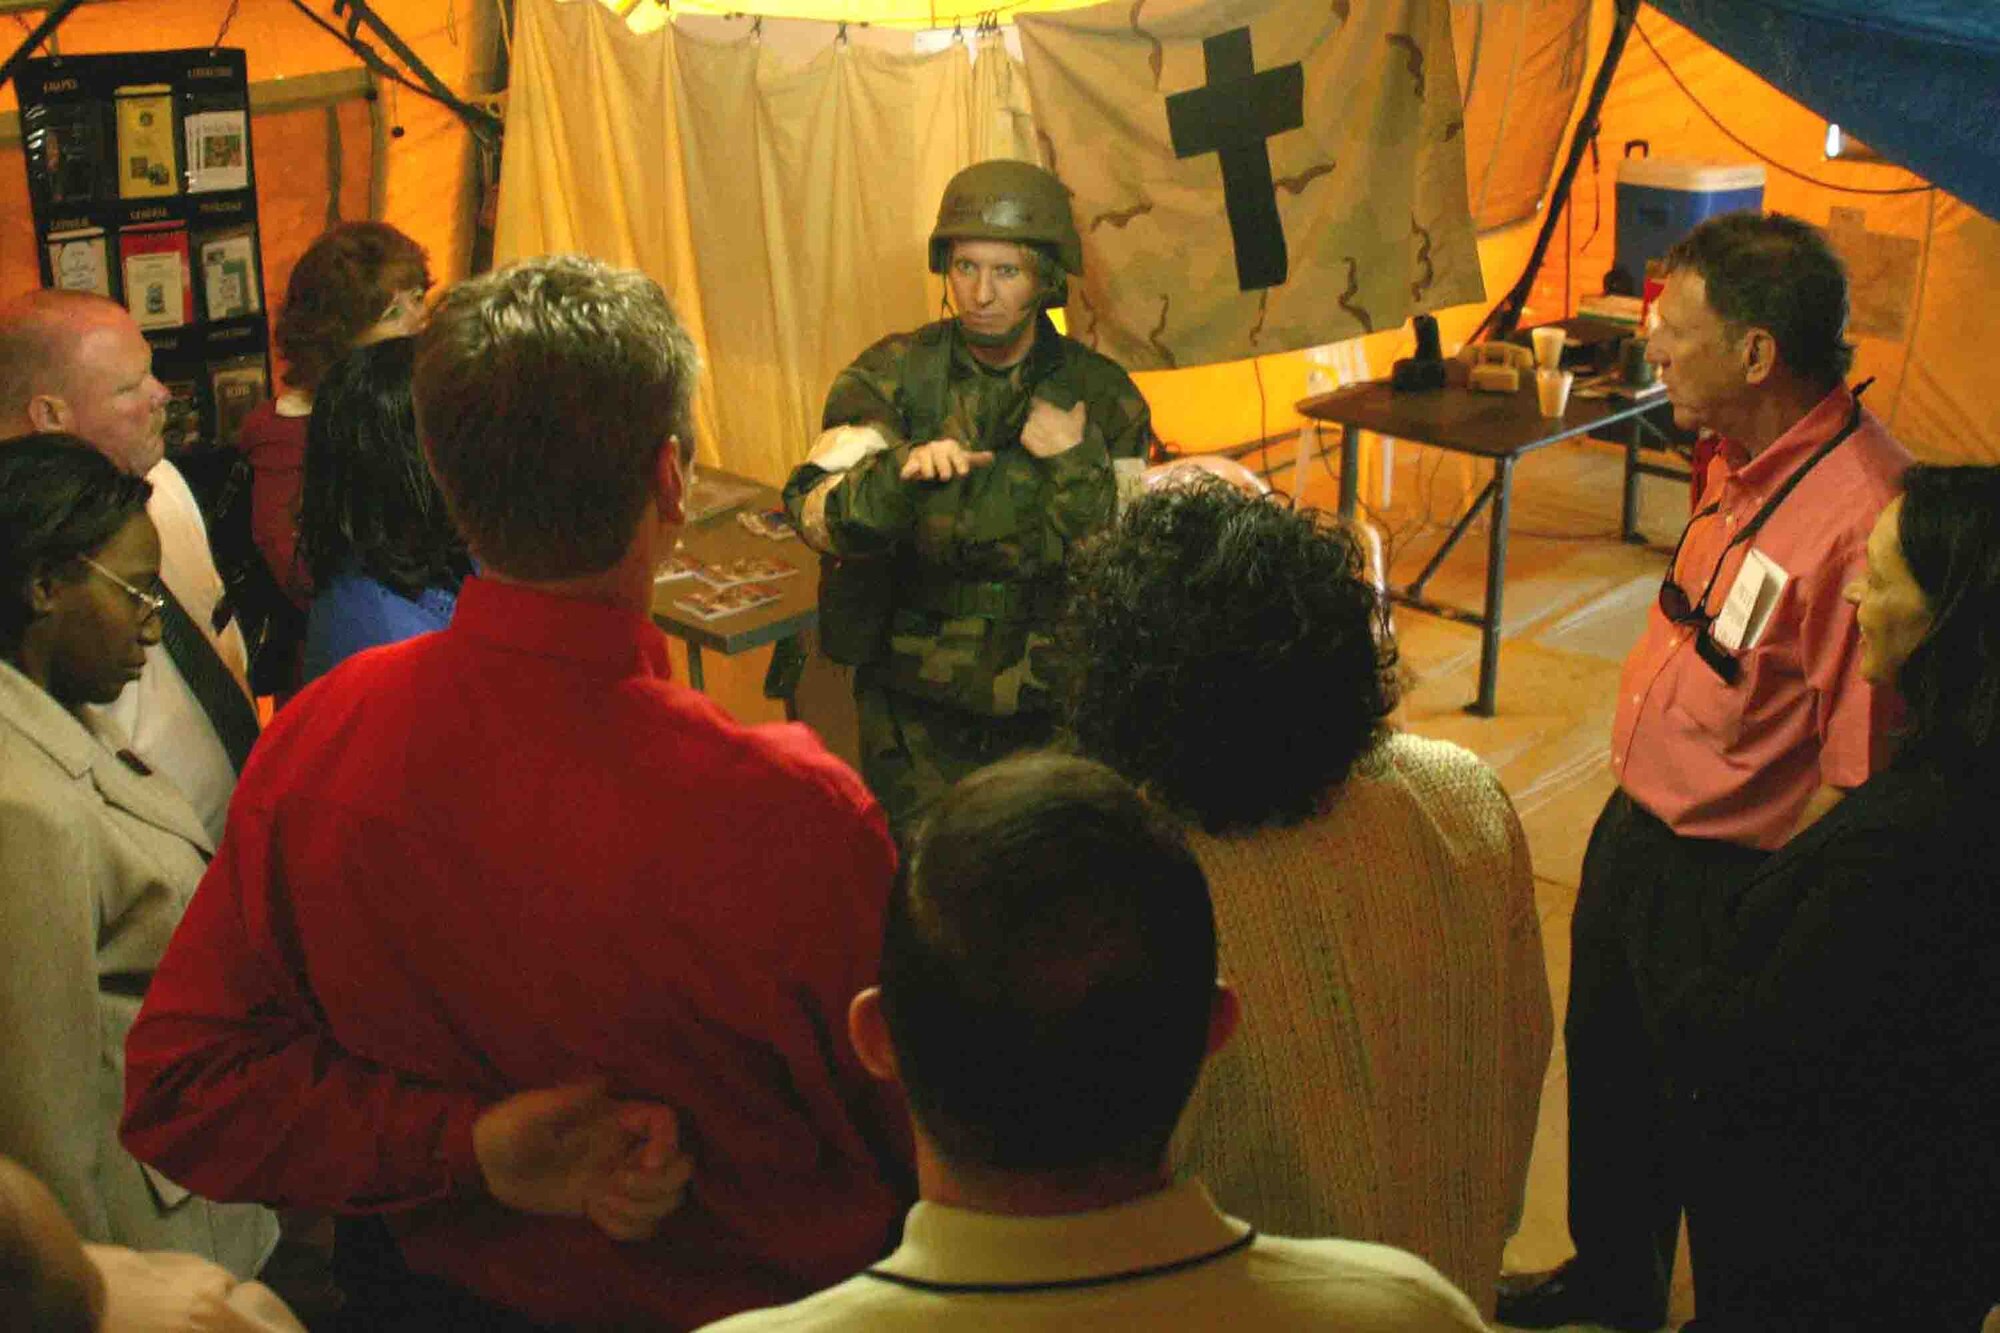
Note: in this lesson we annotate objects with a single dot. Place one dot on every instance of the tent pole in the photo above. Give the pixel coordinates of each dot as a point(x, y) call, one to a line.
point(483, 124)
point(1505, 316)
point(50, 22)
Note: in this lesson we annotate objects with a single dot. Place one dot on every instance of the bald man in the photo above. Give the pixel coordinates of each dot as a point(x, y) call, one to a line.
point(50, 1282)
point(75, 362)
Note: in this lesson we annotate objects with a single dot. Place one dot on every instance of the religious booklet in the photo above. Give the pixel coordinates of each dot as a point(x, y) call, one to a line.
point(715, 603)
point(80, 260)
point(679, 567)
point(157, 290)
point(770, 524)
point(711, 495)
point(218, 149)
point(66, 140)
point(146, 166)
point(229, 272)
point(236, 385)
point(745, 569)
point(183, 429)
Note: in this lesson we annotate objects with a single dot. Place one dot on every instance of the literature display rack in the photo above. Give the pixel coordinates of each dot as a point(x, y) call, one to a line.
point(144, 190)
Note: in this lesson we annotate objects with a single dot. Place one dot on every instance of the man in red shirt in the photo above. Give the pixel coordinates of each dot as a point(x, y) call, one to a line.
point(1742, 716)
point(515, 854)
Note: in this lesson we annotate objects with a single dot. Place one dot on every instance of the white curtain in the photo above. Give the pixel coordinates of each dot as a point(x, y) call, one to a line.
point(783, 206)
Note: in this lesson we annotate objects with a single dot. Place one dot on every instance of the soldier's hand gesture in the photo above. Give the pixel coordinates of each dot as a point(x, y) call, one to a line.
point(942, 460)
point(1050, 430)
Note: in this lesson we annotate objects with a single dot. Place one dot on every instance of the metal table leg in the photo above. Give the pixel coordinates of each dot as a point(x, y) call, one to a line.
point(694, 667)
point(1350, 471)
point(1496, 577)
point(1628, 522)
point(781, 677)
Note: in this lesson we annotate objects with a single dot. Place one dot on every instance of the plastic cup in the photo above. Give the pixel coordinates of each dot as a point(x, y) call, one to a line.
point(1548, 346)
point(1552, 390)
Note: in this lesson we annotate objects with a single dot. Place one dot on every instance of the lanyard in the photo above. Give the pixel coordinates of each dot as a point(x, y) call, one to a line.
point(1770, 506)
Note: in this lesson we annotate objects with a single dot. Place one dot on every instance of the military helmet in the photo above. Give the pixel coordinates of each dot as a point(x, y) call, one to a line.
point(1004, 200)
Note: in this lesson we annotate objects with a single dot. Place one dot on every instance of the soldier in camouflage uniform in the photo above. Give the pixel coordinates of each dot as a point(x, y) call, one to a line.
point(956, 466)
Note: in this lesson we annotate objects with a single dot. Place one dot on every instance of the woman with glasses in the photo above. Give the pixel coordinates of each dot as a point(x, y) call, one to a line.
point(1839, 1051)
point(99, 855)
point(357, 284)
point(384, 558)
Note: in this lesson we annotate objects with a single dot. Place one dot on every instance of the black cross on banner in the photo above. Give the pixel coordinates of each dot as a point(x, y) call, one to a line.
point(1232, 117)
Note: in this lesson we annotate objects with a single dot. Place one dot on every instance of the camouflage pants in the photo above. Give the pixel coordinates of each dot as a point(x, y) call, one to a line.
point(913, 749)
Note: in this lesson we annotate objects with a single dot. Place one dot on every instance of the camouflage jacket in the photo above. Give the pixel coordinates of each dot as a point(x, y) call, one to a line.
point(953, 586)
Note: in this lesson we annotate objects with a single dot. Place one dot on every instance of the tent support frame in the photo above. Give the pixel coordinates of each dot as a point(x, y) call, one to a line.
point(42, 32)
point(1505, 316)
point(483, 123)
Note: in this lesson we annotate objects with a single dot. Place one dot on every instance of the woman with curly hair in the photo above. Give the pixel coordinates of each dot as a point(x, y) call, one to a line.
point(1372, 888)
point(385, 560)
point(1839, 1052)
point(356, 284)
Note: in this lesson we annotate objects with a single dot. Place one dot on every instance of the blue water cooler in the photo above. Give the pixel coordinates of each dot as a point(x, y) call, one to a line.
point(1660, 199)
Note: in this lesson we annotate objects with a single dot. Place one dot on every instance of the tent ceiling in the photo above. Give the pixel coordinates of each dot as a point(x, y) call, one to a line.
point(1915, 80)
point(884, 13)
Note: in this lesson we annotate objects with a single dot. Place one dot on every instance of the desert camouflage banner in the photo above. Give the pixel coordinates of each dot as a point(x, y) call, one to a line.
point(1253, 176)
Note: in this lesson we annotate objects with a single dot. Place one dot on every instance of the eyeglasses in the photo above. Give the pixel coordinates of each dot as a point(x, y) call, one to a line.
point(1680, 609)
point(405, 304)
point(153, 602)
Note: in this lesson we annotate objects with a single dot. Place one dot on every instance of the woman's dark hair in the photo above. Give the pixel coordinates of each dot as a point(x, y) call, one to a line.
point(1950, 539)
point(340, 287)
point(1227, 653)
point(368, 503)
point(59, 500)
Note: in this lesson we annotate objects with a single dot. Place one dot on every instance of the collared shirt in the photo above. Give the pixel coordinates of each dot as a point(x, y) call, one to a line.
point(1738, 762)
point(514, 854)
point(158, 711)
point(1169, 1260)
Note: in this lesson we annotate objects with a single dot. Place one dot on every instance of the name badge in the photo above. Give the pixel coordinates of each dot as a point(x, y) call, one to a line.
point(1747, 609)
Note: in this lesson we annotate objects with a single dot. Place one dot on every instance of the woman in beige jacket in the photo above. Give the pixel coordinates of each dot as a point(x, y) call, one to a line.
point(1373, 896)
point(99, 856)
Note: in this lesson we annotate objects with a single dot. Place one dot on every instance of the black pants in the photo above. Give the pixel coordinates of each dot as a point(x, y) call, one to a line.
point(384, 1296)
point(1637, 923)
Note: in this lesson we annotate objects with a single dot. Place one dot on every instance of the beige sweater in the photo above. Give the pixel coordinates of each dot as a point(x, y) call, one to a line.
point(1396, 1020)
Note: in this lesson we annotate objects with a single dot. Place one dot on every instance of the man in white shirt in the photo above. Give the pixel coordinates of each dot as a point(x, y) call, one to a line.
point(1048, 995)
point(77, 363)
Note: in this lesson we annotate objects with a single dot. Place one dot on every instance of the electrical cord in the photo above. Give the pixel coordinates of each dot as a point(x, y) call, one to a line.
point(1763, 157)
point(1263, 425)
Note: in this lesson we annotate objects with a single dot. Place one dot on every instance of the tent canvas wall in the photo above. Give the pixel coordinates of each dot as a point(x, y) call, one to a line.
point(1928, 259)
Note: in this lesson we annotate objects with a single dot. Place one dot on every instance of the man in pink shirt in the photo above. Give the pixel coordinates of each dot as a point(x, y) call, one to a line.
point(1742, 715)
